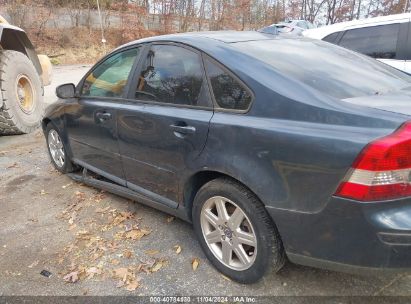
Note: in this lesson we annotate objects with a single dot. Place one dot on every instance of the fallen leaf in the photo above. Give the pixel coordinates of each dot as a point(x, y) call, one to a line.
point(81, 196)
point(127, 254)
point(170, 219)
point(120, 273)
point(72, 277)
point(99, 197)
point(128, 227)
point(103, 210)
point(35, 263)
point(112, 245)
point(136, 234)
point(132, 286)
point(195, 262)
point(152, 252)
point(65, 186)
point(226, 278)
point(120, 218)
point(83, 234)
point(157, 267)
point(127, 214)
point(71, 227)
point(148, 262)
point(120, 284)
point(177, 248)
point(93, 271)
point(14, 165)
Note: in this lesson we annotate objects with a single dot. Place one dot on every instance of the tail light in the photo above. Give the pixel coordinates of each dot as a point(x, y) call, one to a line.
point(382, 171)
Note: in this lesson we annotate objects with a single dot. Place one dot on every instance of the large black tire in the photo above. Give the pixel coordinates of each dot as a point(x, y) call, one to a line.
point(18, 117)
point(269, 250)
point(67, 166)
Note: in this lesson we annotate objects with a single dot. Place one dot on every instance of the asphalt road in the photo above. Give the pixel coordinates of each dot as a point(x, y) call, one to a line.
point(112, 246)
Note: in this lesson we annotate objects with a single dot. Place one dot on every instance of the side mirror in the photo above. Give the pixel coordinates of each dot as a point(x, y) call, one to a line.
point(66, 91)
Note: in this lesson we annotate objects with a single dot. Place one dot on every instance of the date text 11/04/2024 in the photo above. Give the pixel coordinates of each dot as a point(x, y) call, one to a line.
point(203, 299)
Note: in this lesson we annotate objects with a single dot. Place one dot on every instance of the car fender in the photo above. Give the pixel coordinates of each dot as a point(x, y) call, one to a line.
point(15, 39)
point(267, 185)
point(55, 114)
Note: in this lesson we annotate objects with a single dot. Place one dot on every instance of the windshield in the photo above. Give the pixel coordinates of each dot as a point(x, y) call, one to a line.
point(327, 68)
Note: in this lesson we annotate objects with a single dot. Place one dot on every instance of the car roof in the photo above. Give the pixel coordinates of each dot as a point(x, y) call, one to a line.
point(198, 38)
point(321, 32)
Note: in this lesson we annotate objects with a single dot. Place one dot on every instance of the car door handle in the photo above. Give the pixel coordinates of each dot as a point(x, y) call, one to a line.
point(183, 129)
point(103, 116)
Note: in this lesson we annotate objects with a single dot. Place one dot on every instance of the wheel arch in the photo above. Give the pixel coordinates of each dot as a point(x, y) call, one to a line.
point(56, 118)
point(193, 184)
point(44, 122)
point(15, 39)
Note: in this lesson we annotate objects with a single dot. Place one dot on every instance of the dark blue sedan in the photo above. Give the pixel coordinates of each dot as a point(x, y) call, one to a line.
point(273, 147)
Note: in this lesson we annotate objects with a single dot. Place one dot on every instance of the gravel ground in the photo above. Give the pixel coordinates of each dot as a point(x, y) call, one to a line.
point(106, 245)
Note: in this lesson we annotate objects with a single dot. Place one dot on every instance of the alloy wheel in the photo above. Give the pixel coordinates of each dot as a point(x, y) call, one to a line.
point(228, 233)
point(56, 148)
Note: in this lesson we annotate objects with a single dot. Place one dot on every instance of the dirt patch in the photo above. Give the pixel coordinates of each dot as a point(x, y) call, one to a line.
point(20, 180)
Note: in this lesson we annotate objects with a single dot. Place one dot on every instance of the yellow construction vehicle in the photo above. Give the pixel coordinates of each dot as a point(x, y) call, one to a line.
point(23, 75)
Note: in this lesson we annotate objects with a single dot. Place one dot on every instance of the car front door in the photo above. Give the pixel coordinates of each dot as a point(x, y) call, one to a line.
point(91, 122)
point(164, 127)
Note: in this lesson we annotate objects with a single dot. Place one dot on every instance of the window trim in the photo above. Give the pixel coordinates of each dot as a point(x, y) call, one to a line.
point(134, 81)
point(79, 87)
point(403, 51)
point(217, 108)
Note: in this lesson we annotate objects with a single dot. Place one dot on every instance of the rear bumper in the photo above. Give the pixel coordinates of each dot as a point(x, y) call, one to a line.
point(349, 235)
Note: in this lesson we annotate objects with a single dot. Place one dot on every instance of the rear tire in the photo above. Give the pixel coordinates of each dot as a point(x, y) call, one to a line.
point(57, 150)
point(20, 94)
point(244, 249)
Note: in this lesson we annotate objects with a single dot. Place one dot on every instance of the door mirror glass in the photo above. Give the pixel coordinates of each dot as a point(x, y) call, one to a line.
point(66, 91)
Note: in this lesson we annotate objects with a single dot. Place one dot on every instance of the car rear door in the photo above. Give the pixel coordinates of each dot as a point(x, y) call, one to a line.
point(384, 42)
point(91, 122)
point(164, 126)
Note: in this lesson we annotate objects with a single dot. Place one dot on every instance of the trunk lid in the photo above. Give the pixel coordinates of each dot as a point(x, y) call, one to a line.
point(397, 102)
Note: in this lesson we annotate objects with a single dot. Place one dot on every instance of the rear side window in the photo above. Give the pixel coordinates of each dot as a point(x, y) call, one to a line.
point(376, 41)
point(110, 77)
point(332, 37)
point(229, 93)
point(173, 75)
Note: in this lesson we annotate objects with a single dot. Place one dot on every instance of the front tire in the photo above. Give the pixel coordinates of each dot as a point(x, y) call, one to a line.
point(235, 231)
point(21, 106)
point(57, 150)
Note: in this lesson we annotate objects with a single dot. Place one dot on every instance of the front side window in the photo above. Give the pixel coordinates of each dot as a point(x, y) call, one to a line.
point(110, 77)
point(229, 93)
point(375, 41)
point(173, 75)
